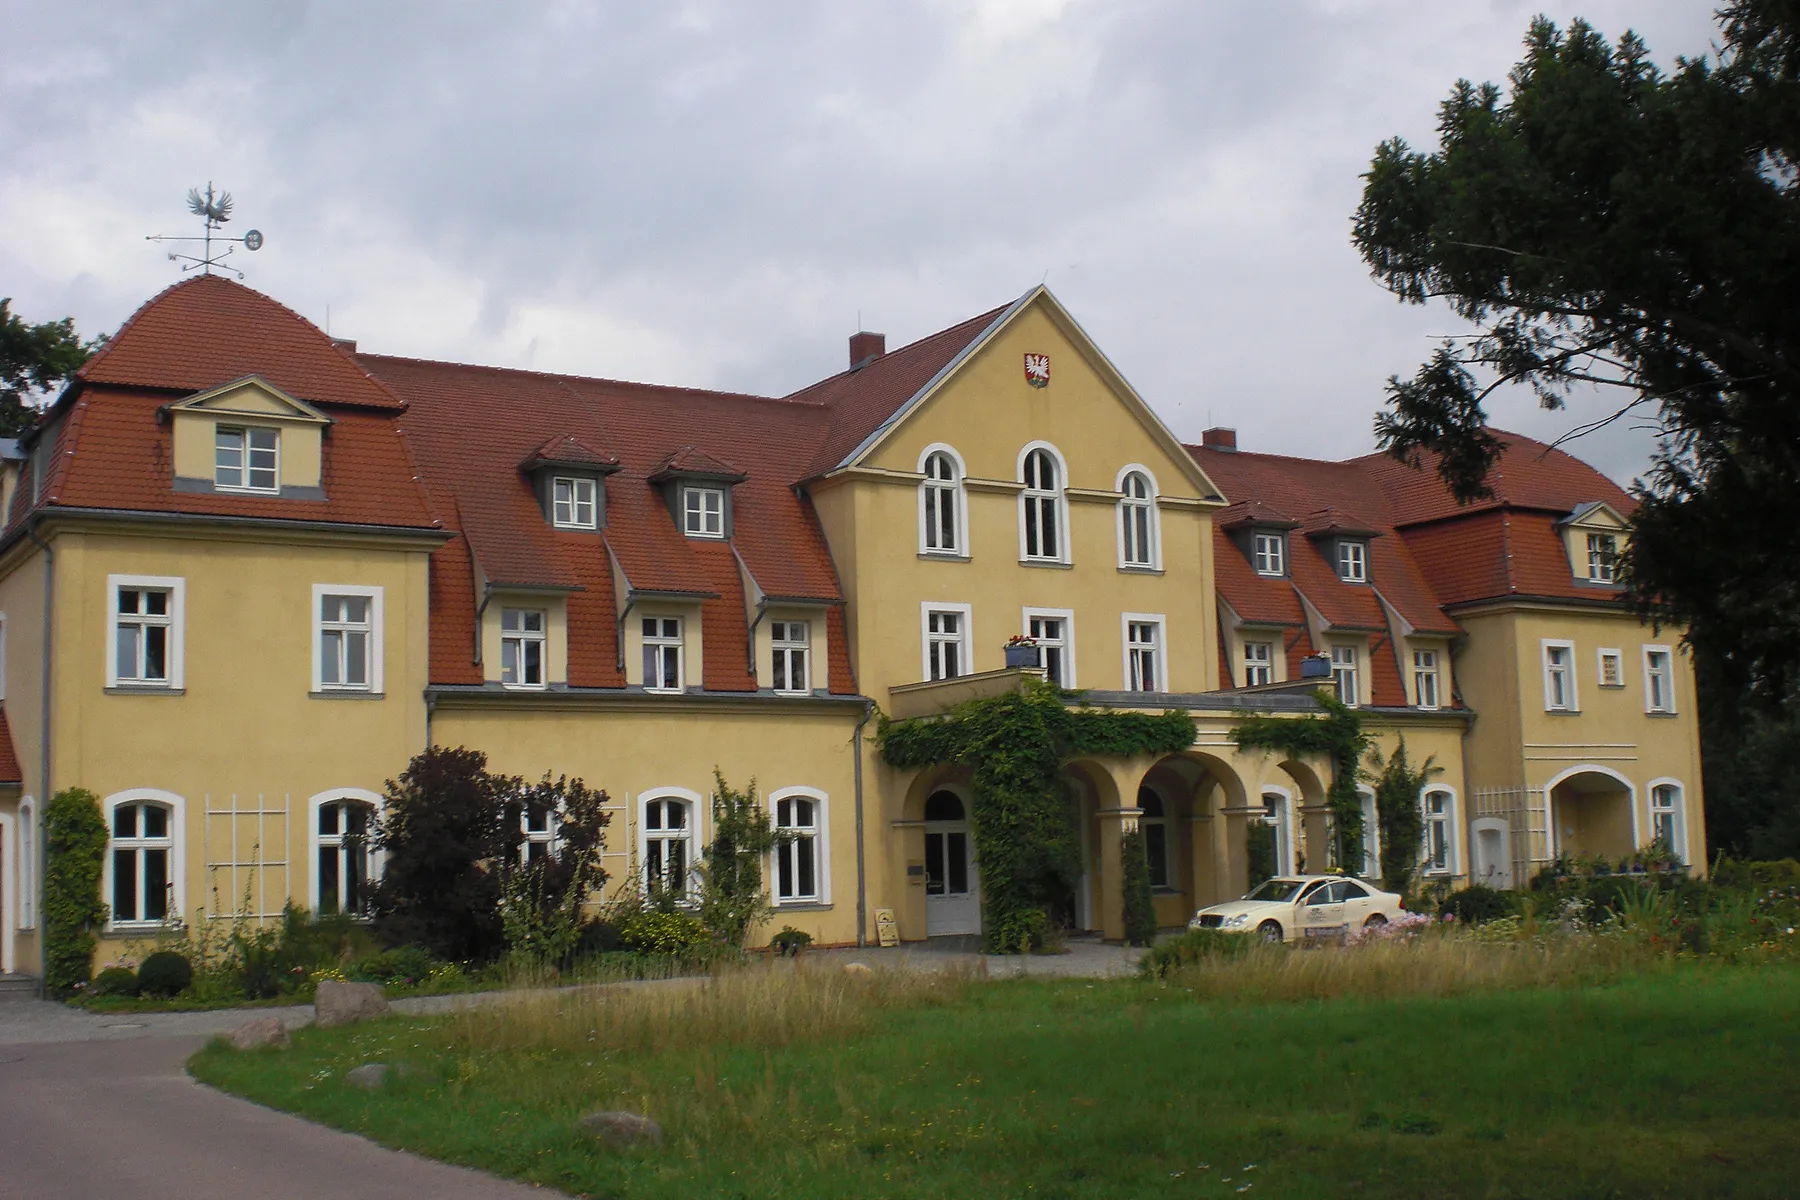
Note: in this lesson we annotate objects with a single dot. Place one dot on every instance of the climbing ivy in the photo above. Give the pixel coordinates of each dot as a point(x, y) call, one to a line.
point(75, 840)
point(1338, 735)
point(1014, 745)
point(1140, 904)
point(1397, 788)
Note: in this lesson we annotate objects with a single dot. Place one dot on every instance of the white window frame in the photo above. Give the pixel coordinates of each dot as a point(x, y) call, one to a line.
point(966, 624)
point(177, 854)
point(1679, 843)
point(1371, 834)
point(1449, 820)
point(1572, 700)
point(692, 835)
point(176, 586)
point(244, 449)
point(520, 638)
point(821, 842)
point(377, 643)
point(663, 641)
point(1265, 665)
point(699, 520)
point(577, 484)
point(547, 837)
point(1618, 661)
point(24, 841)
point(1058, 505)
point(1667, 707)
point(788, 647)
point(1171, 863)
point(950, 492)
point(1283, 823)
point(1160, 649)
point(1353, 560)
point(1602, 563)
point(2, 656)
point(1423, 671)
point(314, 841)
point(1150, 557)
point(1067, 644)
point(1349, 668)
point(1268, 547)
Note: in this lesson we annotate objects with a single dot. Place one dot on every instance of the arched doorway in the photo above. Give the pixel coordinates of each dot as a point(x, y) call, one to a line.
point(1591, 813)
point(952, 878)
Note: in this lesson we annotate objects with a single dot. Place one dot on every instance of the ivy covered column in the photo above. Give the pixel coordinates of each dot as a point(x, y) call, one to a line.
point(1127, 775)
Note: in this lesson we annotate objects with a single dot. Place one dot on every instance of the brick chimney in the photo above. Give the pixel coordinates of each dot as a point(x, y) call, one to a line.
point(1219, 438)
point(865, 348)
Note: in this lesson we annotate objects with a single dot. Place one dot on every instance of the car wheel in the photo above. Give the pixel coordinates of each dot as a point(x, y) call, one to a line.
point(1270, 931)
point(1375, 922)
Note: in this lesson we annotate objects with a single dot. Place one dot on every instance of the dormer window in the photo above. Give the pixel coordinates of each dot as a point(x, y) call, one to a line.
point(573, 503)
point(1602, 557)
point(703, 512)
point(1353, 561)
point(1269, 553)
point(247, 459)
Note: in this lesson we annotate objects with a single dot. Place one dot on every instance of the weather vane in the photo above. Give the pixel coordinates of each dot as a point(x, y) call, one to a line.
point(215, 210)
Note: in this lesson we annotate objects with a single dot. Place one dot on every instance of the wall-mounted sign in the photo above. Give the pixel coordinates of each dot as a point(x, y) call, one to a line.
point(1037, 370)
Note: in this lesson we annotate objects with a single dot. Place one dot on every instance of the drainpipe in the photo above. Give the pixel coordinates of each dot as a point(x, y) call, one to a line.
point(862, 888)
point(43, 804)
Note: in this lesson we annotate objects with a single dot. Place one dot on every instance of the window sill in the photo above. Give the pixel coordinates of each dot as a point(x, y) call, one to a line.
point(575, 528)
point(1662, 712)
point(138, 929)
point(1129, 569)
point(802, 906)
point(943, 556)
point(1165, 891)
point(1562, 712)
point(1610, 687)
point(525, 687)
point(1050, 563)
point(144, 689)
point(346, 694)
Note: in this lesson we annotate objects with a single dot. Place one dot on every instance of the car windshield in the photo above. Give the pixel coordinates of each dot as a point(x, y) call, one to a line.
point(1275, 889)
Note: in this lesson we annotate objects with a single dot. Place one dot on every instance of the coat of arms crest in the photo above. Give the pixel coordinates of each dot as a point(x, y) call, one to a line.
point(1037, 370)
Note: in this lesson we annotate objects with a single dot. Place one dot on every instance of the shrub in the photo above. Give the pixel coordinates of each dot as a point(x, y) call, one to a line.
point(400, 967)
point(1193, 948)
point(655, 932)
point(1140, 908)
point(542, 904)
point(732, 899)
point(790, 942)
point(115, 981)
point(598, 936)
point(75, 839)
point(165, 973)
point(1477, 904)
point(1397, 812)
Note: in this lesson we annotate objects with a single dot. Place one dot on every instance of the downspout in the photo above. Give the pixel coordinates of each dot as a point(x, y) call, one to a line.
point(43, 805)
point(862, 875)
point(619, 628)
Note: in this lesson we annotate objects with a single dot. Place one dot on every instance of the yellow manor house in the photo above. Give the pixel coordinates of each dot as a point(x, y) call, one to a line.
point(248, 571)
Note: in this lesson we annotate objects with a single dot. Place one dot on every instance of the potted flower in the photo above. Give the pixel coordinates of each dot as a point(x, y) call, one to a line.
point(1022, 651)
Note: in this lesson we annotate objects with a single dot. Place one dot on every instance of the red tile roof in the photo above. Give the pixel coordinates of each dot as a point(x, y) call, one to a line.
point(1528, 474)
point(691, 460)
point(569, 450)
point(9, 758)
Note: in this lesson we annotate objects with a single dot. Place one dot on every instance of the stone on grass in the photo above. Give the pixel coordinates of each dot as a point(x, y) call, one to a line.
point(858, 969)
point(369, 1077)
point(341, 1003)
point(621, 1130)
point(259, 1032)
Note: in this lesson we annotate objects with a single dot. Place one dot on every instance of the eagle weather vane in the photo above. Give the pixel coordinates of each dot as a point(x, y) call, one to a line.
point(214, 208)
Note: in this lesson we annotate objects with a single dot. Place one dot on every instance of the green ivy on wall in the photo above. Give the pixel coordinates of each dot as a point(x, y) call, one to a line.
point(1340, 737)
point(1134, 875)
point(1014, 745)
point(75, 840)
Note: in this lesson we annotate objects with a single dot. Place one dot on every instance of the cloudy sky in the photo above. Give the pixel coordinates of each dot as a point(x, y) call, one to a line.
point(714, 194)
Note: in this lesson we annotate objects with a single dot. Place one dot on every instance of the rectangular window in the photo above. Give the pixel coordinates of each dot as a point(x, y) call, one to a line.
point(703, 512)
point(946, 644)
point(246, 459)
point(539, 827)
point(662, 654)
point(1559, 676)
point(574, 503)
point(793, 652)
point(1259, 659)
point(1612, 669)
point(1665, 818)
point(799, 866)
point(347, 638)
point(1270, 553)
point(1602, 556)
point(1054, 632)
point(1438, 833)
point(144, 635)
point(1353, 561)
point(1344, 674)
point(1425, 677)
point(1143, 655)
point(522, 647)
point(1659, 680)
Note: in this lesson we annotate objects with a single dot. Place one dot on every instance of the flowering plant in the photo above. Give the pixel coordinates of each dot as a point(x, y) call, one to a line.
point(1020, 639)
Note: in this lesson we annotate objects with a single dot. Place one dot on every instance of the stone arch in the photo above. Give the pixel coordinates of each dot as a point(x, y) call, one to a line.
point(1592, 810)
point(943, 777)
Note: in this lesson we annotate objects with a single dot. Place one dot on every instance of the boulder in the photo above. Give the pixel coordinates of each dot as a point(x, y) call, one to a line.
point(342, 1003)
point(621, 1130)
point(857, 968)
point(369, 1077)
point(259, 1032)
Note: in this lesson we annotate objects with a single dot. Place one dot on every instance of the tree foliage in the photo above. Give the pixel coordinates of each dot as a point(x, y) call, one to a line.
point(1339, 736)
point(75, 839)
point(34, 361)
point(1607, 225)
point(1014, 746)
point(733, 900)
point(1398, 785)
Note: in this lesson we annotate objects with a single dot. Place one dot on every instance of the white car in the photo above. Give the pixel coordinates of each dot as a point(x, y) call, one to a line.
point(1290, 908)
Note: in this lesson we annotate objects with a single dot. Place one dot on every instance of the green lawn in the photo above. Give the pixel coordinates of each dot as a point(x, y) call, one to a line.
point(1681, 1085)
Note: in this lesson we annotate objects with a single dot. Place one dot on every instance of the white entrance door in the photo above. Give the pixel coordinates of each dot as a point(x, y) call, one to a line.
point(952, 882)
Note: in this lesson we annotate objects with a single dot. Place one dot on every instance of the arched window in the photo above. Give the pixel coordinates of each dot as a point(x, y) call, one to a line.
point(1439, 838)
point(941, 522)
point(1371, 834)
point(1667, 822)
point(1153, 819)
point(668, 845)
point(1041, 532)
point(143, 853)
point(345, 855)
point(1137, 520)
point(800, 864)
